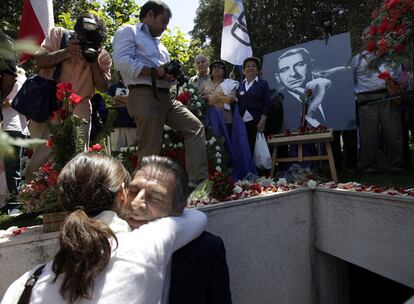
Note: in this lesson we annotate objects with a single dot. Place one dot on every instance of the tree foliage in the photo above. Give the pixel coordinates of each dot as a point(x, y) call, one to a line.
point(276, 24)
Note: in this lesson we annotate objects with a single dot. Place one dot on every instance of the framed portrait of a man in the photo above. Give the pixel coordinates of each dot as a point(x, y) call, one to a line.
point(317, 73)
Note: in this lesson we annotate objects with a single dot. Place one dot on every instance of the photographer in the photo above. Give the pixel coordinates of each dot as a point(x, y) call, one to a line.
point(145, 66)
point(85, 64)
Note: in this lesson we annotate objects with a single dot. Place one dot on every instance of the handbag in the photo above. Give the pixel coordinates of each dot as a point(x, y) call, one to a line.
point(262, 158)
point(37, 97)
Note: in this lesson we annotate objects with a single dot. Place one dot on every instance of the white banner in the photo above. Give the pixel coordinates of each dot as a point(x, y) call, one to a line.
point(235, 40)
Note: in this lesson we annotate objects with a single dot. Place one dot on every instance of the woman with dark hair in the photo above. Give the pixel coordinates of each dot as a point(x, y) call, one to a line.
point(100, 260)
point(225, 121)
point(254, 99)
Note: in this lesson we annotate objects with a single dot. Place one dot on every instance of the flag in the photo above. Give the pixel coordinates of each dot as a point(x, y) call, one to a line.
point(235, 40)
point(36, 21)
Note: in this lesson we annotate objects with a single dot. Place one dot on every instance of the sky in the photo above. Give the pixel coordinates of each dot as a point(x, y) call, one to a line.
point(183, 13)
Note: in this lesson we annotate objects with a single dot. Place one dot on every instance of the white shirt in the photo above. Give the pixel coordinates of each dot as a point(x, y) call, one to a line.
point(136, 271)
point(366, 79)
point(247, 85)
point(133, 48)
point(13, 120)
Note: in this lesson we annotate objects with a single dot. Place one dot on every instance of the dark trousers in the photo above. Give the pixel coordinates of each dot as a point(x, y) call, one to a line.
point(349, 158)
point(12, 165)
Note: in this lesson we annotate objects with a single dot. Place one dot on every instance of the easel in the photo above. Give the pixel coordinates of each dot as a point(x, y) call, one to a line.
point(313, 138)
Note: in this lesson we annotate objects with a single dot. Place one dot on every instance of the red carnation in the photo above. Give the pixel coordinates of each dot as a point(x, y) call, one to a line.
point(400, 48)
point(374, 14)
point(49, 143)
point(95, 147)
point(383, 46)
point(373, 30)
point(391, 3)
point(384, 75)
point(61, 89)
point(74, 98)
point(371, 46)
point(383, 27)
point(184, 97)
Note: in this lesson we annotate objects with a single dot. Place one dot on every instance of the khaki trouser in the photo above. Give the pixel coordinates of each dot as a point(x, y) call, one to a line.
point(371, 116)
point(41, 130)
point(150, 115)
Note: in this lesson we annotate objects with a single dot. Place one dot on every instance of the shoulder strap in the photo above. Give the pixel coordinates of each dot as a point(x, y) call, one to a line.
point(63, 44)
point(28, 287)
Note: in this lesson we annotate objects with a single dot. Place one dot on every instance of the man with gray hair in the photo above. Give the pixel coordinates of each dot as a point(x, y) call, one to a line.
point(198, 272)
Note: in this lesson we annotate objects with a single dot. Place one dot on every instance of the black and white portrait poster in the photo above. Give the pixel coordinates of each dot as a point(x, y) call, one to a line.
point(321, 69)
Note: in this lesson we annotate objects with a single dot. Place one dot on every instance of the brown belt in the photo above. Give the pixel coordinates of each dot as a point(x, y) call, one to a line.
point(162, 90)
point(374, 92)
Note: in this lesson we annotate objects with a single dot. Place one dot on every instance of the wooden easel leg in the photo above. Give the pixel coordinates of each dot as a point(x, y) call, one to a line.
point(274, 158)
point(300, 152)
point(331, 161)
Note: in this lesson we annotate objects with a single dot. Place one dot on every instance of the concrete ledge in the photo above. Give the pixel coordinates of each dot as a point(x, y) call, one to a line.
point(282, 248)
point(373, 231)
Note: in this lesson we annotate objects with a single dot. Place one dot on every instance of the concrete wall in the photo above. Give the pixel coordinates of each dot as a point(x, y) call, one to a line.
point(373, 231)
point(268, 241)
point(268, 247)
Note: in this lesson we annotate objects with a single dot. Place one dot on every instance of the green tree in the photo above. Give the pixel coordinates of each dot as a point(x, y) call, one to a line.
point(276, 24)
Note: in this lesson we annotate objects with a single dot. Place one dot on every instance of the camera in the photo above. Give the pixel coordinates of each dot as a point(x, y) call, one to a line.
point(174, 69)
point(90, 39)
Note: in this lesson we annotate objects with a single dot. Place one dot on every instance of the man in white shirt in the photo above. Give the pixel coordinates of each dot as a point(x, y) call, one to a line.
point(141, 57)
point(385, 113)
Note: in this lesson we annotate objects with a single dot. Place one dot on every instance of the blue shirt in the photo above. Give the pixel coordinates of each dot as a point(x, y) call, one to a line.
point(134, 48)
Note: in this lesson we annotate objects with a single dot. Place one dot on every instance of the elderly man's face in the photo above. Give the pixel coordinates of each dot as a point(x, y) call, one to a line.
point(201, 64)
point(150, 196)
point(293, 71)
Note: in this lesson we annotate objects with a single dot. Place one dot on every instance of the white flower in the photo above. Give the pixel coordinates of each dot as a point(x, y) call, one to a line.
point(166, 128)
point(170, 144)
point(237, 189)
point(218, 148)
point(184, 86)
point(166, 136)
point(212, 141)
point(175, 146)
point(312, 184)
point(218, 154)
point(180, 145)
point(191, 91)
point(218, 160)
point(163, 146)
point(123, 149)
point(195, 97)
point(198, 104)
point(218, 169)
point(281, 181)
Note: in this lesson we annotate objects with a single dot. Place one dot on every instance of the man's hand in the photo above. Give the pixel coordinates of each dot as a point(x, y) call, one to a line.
point(319, 87)
point(74, 48)
point(262, 123)
point(164, 75)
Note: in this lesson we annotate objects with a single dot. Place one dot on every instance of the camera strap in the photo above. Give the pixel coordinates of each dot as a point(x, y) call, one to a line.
point(28, 287)
point(154, 83)
point(63, 44)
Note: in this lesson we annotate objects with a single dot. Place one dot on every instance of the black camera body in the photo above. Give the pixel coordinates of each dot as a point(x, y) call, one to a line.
point(90, 39)
point(173, 68)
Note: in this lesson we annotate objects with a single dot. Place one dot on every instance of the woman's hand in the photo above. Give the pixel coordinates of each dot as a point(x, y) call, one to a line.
point(262, 123)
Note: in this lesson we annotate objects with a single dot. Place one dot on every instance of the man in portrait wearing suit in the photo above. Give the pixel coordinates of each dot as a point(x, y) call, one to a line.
point(294, 71)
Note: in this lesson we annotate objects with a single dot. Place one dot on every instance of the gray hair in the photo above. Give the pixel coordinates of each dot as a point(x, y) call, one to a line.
point(162, 164)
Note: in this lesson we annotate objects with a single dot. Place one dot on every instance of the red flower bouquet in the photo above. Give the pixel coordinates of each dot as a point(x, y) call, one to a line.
point(392, 30)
